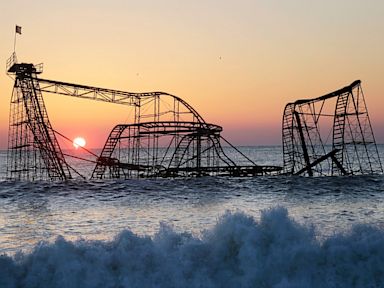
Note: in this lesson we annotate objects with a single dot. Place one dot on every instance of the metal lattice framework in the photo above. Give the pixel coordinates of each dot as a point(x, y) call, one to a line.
point(330, 135)
point(165, 136)
point(170, 149)
point(33, 150)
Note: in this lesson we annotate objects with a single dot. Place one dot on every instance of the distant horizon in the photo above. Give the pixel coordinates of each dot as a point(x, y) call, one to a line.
point(224, 146)
point(238, 64)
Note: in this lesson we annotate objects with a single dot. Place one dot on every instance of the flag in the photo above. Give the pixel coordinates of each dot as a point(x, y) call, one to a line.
point(18, 29)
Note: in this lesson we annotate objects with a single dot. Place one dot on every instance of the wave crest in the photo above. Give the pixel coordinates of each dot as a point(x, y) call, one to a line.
point(237, 252)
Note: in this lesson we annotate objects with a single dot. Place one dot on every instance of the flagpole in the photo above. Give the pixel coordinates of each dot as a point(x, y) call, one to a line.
point(17, 31)
point(14, 43)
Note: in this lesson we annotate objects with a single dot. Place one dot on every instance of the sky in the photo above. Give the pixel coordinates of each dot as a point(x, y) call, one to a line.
point(238, 63)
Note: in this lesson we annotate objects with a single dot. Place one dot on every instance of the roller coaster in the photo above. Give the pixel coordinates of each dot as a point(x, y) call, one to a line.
point(330, 135)
point(166, 136)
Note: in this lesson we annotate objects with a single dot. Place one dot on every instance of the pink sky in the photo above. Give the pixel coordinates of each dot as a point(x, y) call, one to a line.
point(238, 64)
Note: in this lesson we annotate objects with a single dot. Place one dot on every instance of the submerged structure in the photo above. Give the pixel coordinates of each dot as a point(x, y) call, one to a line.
point(165, 137)
point(33, 150)
point(330, 135)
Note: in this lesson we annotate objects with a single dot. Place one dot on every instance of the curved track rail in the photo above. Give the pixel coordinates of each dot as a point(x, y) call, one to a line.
point(306, 146)
point(165, 137)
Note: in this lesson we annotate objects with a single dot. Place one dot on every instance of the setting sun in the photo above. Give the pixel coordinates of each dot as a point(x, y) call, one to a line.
point(79, 142)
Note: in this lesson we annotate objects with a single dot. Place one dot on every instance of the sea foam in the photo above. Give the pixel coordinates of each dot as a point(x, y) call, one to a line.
point(238, 251)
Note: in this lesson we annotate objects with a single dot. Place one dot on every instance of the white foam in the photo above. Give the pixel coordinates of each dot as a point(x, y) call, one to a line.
point(237, 252)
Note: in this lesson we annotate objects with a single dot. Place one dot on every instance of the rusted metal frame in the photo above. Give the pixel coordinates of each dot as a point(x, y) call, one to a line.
point(318, 137)
point(339, 165)
point(321, 159)
point(173, 139)
point(318, 128)
point(42, 130)
point(189, 126)
point(362, 136)
point(219, 150)
point(238, 151)
point(308, 132)
point(330, 95)
point(98, 92)
point(321, 109)
point(177, 147)
point(123, 94)
point(67, 89)
point(337, 116)
point(119, 129)
point(287, 125)
point(360, 127)
point(53, 142)
point(155, 143)
point(303, 144)
point(360, 90)
point(196, 155)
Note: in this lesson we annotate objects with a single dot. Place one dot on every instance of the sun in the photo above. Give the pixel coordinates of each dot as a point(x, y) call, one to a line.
point(79, 142)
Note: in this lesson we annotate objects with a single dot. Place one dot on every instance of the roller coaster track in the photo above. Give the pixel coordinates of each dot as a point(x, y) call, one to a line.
point(30, 114)
point(353, 148)
point(193, 145)
point(108, 95)
point(170, 127)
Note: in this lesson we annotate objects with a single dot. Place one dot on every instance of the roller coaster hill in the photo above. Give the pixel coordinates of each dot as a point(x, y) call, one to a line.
point(167, 137)
point(330, 135)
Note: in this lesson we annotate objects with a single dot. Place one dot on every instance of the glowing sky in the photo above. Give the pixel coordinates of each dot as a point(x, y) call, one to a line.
point(237, 62)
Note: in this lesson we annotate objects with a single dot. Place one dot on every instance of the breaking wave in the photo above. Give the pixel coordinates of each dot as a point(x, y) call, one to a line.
point(238, 251)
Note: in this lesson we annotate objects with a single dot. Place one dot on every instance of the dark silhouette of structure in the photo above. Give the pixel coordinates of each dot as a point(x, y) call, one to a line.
point(330, 135)
point(33, 150)
point(165, 137)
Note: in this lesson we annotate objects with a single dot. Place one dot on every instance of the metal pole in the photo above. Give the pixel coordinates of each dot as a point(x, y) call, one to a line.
point(14, 43)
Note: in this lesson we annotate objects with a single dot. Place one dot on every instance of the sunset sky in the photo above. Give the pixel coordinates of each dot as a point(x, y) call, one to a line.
point(236, 62)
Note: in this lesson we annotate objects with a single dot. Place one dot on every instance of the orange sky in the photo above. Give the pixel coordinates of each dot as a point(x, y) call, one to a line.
point(236, 62)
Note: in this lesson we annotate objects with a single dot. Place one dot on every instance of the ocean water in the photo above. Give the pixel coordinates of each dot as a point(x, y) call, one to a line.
point(274, 231)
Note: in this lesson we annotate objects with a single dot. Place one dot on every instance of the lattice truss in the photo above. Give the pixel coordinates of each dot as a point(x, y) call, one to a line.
point(330, 135)
point(33, 150)
point(165, 137)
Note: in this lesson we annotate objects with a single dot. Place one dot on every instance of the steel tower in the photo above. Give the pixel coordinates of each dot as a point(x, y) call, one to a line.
point(33, 150)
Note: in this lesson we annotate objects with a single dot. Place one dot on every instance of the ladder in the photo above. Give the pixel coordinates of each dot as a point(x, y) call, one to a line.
point(288, 147)
point(105, 159)
point(338, 141)
point(180, 156)
point(35, 123)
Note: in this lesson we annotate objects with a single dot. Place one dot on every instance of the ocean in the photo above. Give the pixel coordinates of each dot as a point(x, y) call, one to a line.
point(269, 231)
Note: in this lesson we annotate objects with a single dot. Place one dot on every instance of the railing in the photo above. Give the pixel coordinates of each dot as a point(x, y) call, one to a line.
point(11, 61)
point(39, 68)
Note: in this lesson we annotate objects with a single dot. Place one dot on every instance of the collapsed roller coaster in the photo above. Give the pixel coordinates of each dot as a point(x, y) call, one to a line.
point(166, 136)
point(330, 135)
